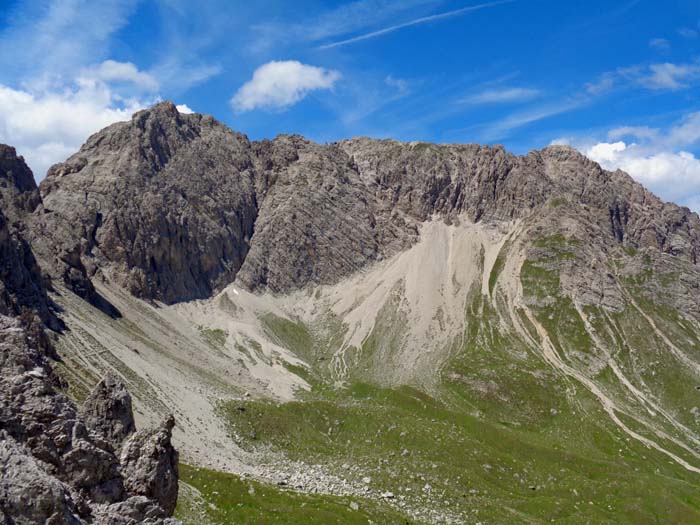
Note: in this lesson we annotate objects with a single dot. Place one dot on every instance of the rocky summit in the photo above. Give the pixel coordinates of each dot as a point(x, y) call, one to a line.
point(361, 331)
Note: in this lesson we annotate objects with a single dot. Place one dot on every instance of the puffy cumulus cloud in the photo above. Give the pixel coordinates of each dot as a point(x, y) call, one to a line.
point(184, 109)
point(47, 127)
point(606, 152)
point(658, 159)
point(49, 122)
point(674, 176)
point(280, 84)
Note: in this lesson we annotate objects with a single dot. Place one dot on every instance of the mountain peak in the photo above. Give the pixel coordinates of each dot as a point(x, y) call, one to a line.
point(160, 109)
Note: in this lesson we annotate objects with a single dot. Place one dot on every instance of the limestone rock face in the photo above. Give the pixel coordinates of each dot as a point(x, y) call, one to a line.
point(28, 494)
point(107, 411)
point(19, 194)
point(22, 222)
point(22, 283)
point(164, 204)
point(149, 465)
point(61, 464)
point(175, 207)
point(317, 222)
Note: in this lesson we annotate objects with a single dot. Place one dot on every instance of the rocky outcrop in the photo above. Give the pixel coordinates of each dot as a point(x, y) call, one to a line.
point(19, 194)
point(61, 464)
point(28, 494)
point(318, 222)
point(489, 184)
point(107, 411)
point(22, 217)
point(22, 283)
point(149, 465)
point(174, 207)
point(164, 204)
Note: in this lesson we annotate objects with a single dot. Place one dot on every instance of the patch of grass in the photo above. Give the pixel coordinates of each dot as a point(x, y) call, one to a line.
point(498, 265)
point(539, 281)
point(630, 250)
point(472, 454)
point(225, 499)
point(556, 202)
point(290, 334)
point(227, 305)
point(215, 337)
point(557, 247)
point(565, 326)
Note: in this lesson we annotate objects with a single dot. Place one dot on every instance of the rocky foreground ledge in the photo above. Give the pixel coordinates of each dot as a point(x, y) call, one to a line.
point(62, 464)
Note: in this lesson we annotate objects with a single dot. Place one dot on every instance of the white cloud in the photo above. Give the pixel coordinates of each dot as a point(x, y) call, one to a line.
point(606, 152)
point(184, 109)
point(113, 71)
point(47, 127)
point(687, 132)
point(280, 84)
point(69, 36)
point(605, 83)
point(640, 132)
point(673, 176)
point(500, 96)
point(561, 141)
point(658, 159)
point(177, 75)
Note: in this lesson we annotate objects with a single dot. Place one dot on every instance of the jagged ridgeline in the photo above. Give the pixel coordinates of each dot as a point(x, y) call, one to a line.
point(361, 330)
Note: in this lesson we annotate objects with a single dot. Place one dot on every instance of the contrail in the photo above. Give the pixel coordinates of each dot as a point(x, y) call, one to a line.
point(415, 22)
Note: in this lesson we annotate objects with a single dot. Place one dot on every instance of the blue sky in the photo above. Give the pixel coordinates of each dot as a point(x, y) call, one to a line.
point(620, 80)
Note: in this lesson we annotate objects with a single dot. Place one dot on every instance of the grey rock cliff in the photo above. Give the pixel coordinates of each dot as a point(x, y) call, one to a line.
point(22, 282)
point(19, 194)
point(164, 204)
point(59, 464)
point(149, 465)
point(22, 216)
point(63, 464)
point(107, 411)
point(174, 207)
